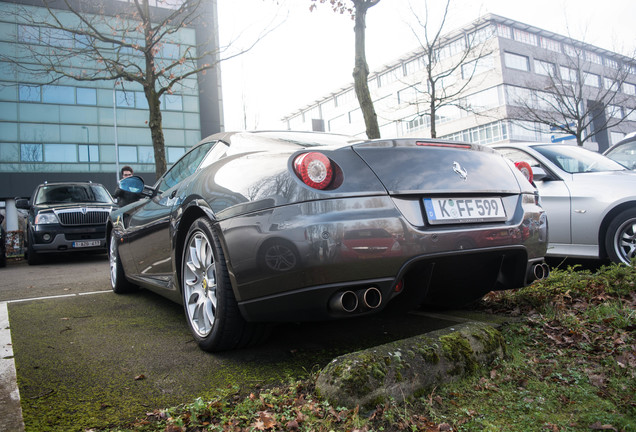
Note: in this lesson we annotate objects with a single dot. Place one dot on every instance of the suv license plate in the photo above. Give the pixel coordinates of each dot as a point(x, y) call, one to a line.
point(464, 210)
point(86, 243)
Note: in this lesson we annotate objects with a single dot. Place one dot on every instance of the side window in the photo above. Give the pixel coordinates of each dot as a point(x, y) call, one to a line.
point(217, 152)
point(185, 166)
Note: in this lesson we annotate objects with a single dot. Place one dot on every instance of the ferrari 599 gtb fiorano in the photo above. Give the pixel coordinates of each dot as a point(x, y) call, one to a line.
point(255, 227)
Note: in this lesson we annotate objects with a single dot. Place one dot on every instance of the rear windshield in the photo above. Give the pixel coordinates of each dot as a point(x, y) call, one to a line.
point(57, 194)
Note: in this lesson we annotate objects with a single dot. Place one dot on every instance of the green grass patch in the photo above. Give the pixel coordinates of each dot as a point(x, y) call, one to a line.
point(570, 366)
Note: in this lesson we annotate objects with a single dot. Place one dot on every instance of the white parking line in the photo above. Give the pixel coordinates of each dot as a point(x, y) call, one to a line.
point(10, 409)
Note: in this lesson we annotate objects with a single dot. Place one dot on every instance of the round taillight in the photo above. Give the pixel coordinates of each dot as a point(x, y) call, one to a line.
point(525, 169)
point(314, 169)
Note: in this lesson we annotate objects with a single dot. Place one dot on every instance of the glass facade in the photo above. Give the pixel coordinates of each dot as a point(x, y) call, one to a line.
point(61, 125)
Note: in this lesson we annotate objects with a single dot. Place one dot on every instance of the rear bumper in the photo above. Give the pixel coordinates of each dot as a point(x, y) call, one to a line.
point(434, 264)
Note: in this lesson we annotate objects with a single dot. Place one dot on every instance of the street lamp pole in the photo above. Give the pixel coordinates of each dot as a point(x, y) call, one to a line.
point(115, 127)
point(88, 146)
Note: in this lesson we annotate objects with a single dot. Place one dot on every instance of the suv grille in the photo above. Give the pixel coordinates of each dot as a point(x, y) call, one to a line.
point(78, 217)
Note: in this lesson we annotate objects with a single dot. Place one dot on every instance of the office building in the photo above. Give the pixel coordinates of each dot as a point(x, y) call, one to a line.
point(69, 129)
point(512, 63)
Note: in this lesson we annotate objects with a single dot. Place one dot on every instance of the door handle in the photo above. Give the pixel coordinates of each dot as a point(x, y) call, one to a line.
point(173, 194)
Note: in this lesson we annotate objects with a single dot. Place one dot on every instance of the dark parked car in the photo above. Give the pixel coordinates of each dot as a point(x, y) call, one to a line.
point(66, 217)
point(624, 151)
point(3, 244)
point(258, 227)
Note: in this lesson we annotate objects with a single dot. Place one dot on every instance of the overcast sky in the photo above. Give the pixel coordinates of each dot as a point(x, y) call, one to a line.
point(308, 55)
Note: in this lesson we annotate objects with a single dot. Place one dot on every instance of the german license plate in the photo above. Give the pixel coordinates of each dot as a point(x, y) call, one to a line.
point(464, 210)
point(86, 243)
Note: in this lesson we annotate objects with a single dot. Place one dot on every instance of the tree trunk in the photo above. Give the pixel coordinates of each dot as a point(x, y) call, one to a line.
point(361, 70)
point(156, 131)
point(433, 114)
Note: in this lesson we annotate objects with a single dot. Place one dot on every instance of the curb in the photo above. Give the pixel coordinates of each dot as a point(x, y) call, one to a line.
point(409, 367)
point(10, 409)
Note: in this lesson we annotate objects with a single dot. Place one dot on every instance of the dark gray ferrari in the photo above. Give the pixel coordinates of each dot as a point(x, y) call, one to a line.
point(255, 227)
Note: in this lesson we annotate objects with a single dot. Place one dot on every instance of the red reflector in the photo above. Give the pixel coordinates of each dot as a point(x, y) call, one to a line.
point(398, 287)
point(314, 169)
point(434, 144)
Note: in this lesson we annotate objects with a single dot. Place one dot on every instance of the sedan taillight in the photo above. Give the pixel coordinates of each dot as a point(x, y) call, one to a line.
point(314, 169)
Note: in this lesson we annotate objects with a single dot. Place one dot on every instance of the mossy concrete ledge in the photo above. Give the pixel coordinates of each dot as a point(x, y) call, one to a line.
point(409, 367)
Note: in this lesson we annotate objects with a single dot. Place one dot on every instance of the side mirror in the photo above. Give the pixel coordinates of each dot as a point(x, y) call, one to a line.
point(22, 203)
point(129, 190)
point(539, 173)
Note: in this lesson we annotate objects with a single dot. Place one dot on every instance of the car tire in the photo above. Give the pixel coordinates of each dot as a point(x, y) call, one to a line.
point(620, 240)
point(209, 304)
point(33, 258)
point(118, 281)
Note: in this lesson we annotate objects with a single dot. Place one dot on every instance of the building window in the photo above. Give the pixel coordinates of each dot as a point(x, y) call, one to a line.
point(29, 34)
point(544, 68)
point(127, 154)
point(504, 31)
point(343, 98)
point(478, 66)
point(31, 152)
point(481, 35)
point(172, 102)
point(146, 154)
point(415, 65)
point(629, 89)
point(593, 80)
point(338, 123)
point(125, 99)
point(610, 84)
point(611, 63)
point(390, 76)
point(516, 61)
point(86, 96)
point(485, 134)
point(593, 58)
point(614, 111)
point(567, 74)
point(29, 93)
point(174, 153)
point(60, 153)
point(88, 153)
point(58, 94)
point(550, 44)
point(525, 37)
point(408, 95)
point(570, 50)
point(169, 51)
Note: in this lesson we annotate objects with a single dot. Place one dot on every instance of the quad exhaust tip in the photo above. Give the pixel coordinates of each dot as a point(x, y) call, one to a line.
point(541, 271)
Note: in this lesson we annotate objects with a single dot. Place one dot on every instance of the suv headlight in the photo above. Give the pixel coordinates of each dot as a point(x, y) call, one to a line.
point(46, 218)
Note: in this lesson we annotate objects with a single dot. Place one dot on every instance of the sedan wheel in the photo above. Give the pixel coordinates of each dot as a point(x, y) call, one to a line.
point(620, 240)
point(118, 281)
point(210, 306)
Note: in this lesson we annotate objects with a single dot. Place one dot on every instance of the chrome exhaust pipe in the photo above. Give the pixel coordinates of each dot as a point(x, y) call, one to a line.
point(346, 301)
point(541, 271)
point(372, 298)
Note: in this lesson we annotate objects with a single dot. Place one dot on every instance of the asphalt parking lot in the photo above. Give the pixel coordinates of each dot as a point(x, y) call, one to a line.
point(88, 358)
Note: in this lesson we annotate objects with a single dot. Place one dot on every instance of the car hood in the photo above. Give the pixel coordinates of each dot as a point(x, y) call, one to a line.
point(436, 168)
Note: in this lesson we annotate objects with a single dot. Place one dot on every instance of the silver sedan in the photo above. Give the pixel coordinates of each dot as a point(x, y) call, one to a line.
point(590, 200)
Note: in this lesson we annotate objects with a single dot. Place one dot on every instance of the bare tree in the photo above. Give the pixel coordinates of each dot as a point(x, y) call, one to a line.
point(121, 41)
point(361, 67)
point(577, 96)
point(445, 59)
